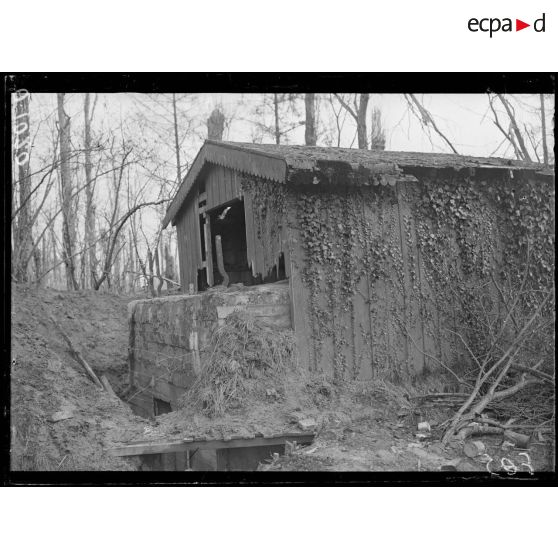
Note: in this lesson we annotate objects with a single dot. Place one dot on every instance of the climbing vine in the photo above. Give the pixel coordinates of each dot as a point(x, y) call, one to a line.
point(380, 262)
point(475, 232)
point(340, 251)
point(268, 201)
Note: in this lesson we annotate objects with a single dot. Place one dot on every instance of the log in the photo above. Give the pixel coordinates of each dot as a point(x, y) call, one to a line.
point(520, 440)
point(108, 387)
point(75, 353)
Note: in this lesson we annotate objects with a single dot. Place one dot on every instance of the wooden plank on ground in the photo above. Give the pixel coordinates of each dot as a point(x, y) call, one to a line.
point(181, 446)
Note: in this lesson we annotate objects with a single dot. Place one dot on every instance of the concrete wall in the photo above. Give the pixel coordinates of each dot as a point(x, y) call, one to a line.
point(168, 336)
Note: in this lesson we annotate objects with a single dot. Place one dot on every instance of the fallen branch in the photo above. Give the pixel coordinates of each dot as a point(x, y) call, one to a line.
point(506, 361)
point(533, 370)
point(75, 353)
point(515, 426)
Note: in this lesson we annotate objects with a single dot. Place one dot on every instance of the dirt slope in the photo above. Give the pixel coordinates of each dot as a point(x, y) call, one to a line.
point(45, 380)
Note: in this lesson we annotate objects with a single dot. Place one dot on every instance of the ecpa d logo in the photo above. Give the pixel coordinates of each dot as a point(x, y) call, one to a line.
point(492, 25)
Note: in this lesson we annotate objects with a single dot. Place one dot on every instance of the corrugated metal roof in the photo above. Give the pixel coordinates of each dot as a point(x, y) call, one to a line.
point(280, 162)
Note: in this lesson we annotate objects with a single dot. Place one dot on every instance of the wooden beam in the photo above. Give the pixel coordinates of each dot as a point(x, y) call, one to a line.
point(208, 250)
point(181, 445)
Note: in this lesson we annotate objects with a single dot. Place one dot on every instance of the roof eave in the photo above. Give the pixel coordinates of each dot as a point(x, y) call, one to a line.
point(242, 160)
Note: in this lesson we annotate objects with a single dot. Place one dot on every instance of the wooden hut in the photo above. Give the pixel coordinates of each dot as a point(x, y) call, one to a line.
point(379, 248)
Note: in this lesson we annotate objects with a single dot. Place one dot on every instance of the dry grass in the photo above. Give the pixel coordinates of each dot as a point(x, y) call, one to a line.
point(245, 360)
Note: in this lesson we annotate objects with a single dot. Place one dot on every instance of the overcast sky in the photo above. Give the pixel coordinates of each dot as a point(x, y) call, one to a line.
point(464, 118)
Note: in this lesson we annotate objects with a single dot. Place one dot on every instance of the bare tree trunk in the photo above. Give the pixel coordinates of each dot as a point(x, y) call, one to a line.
point(310, 135)
point(22, 240)
point(359, 115)
point(515, 128)
point(276, 113)
point(131, 261)
point(68, 216)
point(54, 254)
point(543, 123)
point(150, 276)
point(44, 257)
point(169, 266)
point(158, 271)
point(176, 144)
point(426, 118)
point(361, 121)
point(90, 209)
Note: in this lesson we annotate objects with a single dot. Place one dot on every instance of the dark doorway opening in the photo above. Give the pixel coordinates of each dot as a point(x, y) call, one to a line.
point(161, 407)
point(229, 223)
point(224, 250)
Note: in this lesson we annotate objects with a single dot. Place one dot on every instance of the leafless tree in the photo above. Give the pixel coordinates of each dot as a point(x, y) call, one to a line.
point(357, 105)
point(543, 126)
point(425, 118)
point(90, 208)
point(23, 223)
point(275, 116)
point(310, 130)
point(68, 213)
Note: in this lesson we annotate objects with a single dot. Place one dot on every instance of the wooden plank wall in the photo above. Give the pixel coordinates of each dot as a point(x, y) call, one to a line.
point(364, 337)
point(189, 247)
point(222, 186)
point(266, 237)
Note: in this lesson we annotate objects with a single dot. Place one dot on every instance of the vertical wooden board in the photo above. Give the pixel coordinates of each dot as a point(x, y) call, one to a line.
point(221, 186)
point(317, 321)
point(412, 298)
point(299, 310)
point(184, 246)
point(236, 185)
point(181, 251)
point(210, 188)
point(228, 185)
point(342, 348)
point(394, 286)
point(285, 247)
point(270, 242)
point(250, 236)
point(426, 304)
point(180, 457)
point(379, 302)
point(330, 336)
point(208, 250)
point(429, 316)
point(197, 251)
point(259, 250)
point(186, 240)
point(363, 345)
point(190, 240)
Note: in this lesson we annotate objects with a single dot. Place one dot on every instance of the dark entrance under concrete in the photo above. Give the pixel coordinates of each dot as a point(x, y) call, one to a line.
point(240, 454)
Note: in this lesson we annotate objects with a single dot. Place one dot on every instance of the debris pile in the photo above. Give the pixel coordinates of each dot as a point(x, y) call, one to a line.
point(246, 360)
